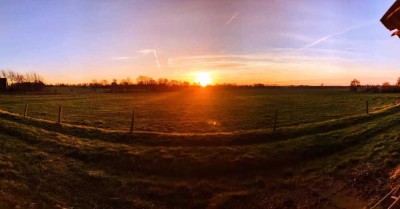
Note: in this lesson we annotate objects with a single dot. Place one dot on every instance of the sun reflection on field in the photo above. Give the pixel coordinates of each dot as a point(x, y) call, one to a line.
point(213, 123)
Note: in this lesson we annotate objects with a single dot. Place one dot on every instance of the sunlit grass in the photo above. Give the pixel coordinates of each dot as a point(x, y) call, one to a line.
point(199, 110)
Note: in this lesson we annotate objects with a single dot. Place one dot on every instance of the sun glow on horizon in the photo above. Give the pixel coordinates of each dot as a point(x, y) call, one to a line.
point(203, 78)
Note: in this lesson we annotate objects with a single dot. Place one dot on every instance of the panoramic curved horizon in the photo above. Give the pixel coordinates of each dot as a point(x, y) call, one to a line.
point(282, 42)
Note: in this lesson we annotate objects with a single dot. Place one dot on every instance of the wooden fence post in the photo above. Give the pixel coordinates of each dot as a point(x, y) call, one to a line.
point(133, 120)
point(59, 114)
point(366, 104)
point(26, 110)
point(275, 121)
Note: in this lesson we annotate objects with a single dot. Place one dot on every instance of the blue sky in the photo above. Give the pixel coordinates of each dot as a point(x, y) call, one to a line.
point(270, 41)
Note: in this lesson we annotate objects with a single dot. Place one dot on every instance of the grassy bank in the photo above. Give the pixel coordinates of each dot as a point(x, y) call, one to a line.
point(46, 165)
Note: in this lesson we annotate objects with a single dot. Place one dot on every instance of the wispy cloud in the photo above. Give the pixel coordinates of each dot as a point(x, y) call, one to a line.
point(277, 66)
point(279, 58)
point(122, 58)
point(151, 51)
point(325, 38)
point(233, 17)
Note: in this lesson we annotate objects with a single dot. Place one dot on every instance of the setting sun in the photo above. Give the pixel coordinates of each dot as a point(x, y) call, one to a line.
point(156, 101)
point(203, 78)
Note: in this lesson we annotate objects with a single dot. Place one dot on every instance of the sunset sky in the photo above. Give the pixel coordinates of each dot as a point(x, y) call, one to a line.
point(237, 41)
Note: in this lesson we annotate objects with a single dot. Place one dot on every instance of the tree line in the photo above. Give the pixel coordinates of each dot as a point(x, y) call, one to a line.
point(386, 87)
point(23, 82)
point(128, 84)
point(143, 82)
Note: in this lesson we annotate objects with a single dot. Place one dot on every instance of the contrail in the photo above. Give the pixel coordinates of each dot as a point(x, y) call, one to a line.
point(152, 51)
point(334, 35)
point(232, 18)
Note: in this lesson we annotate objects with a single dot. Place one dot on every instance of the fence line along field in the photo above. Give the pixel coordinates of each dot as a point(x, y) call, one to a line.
point(345, 162)
point(199, 110)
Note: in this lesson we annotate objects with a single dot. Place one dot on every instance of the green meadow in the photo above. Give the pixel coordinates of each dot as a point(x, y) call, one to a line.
point(198, 110)
point(326, 153)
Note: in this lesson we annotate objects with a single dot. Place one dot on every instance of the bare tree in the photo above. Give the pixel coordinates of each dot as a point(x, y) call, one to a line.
point(3, 73)
point(94, 82)
point(398, 81)
point(143, 80)
point(163, 81)
point(104, 82)
point(29, 78)
point(11, 76)
point(354, 84)
point(19, 78)
point(126, 81)
point(386, 87)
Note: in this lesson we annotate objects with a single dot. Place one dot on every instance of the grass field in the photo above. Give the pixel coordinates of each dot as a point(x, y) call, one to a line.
point(199, 110)
point(339, 158)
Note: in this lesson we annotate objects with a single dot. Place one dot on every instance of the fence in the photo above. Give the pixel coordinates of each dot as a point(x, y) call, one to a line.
point(274, 121)
point(60, 113)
